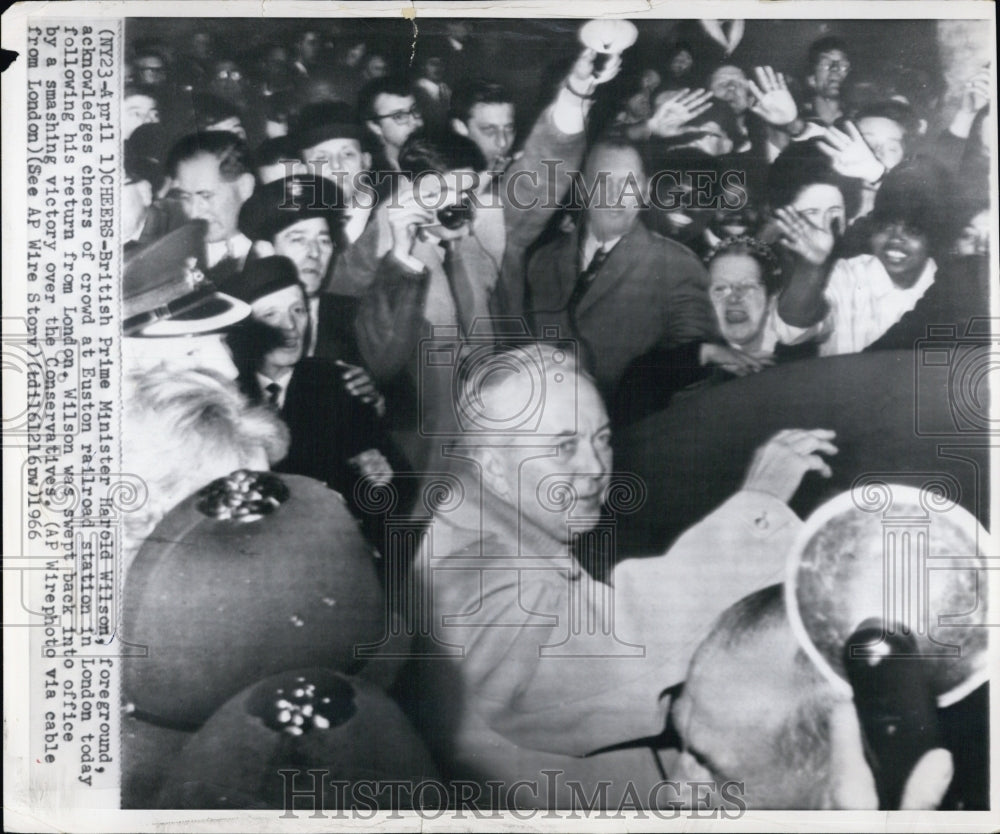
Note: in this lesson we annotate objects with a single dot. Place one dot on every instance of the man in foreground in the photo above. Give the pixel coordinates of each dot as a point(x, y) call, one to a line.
point(545, 670)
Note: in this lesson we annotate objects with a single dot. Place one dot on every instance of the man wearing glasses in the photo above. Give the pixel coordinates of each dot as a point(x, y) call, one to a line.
point(391, 114)
point(828, 69)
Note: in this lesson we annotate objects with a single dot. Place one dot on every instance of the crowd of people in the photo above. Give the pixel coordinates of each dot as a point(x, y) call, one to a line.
point(364, 277)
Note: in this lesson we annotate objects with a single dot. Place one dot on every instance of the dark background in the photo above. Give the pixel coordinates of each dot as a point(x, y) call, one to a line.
point(522, 54)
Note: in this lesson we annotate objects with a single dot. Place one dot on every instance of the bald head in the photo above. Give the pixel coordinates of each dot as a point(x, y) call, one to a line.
point(754, 708)
point(542, 437)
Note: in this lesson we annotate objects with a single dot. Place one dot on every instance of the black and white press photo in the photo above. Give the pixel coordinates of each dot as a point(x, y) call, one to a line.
point(498, 415)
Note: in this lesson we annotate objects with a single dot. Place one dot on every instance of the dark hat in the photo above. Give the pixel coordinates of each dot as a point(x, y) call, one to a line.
point(165, 292)
point(261, 277)
point(282, 203)
point(922, 194)
point(145, 154)
point(253, 575)
point(304, 719)
point(325, 120)
point(210, 109)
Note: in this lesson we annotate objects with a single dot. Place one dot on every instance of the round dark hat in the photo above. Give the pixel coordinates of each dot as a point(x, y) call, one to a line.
point(325, 120)
point(304, 719)
point(263, 276)
point(282, 203)
point(251, 576)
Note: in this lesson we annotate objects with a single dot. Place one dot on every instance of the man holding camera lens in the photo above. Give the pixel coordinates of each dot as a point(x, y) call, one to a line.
point(447, 250)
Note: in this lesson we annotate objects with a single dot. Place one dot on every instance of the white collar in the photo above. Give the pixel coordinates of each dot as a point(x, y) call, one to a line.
point(881, 284)
point(590, 246)
point(357, 221)
point(238, 246)
point(282, 382)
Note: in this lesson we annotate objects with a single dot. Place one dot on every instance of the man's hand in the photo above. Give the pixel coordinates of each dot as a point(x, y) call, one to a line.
point(812, 243)
point(733, 360)
point(852, 785)
point(674, 113)
point(359, 384)
point(975, 97)
point(373, 466)
point(773, 103)
point(581, 79)
point(778, 466)
point(850, 154)
point(976, 94)
point(406, 215)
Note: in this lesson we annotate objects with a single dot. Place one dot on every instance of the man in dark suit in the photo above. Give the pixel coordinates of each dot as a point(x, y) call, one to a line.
point(335, 436)
point(618, 289)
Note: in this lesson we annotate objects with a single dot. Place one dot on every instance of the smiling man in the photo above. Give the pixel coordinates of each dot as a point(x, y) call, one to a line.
point(556, 683)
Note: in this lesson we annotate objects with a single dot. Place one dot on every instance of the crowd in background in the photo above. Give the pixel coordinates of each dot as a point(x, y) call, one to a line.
point(292, 278)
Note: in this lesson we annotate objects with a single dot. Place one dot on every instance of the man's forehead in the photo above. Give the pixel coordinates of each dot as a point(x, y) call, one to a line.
point(334, 143)
point(728, 74)
point(832, 55)
point(202, 168)
point(492, 112)
point(139, 100)
point(393, 101)
point(614, 159)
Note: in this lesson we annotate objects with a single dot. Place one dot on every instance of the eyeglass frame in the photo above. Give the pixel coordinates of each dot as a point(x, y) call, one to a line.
point(401, 117)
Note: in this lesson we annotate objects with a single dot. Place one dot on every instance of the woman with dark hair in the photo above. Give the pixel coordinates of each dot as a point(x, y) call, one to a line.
point(677, 65)
point(847, 304)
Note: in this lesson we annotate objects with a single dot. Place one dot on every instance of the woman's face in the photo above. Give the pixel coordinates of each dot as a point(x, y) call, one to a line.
point(309, 246)
point(822, 206)
point(681, 62)
point(886, 138)
point(286, 311)
point(902, 250)
point(739, 298)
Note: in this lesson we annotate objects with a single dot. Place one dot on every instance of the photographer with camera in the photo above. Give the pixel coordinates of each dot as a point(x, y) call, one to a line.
point(448, 250)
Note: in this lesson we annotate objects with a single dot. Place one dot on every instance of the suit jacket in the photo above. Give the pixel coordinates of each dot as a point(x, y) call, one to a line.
point(335, 337)
point(539, 694)
point(650, 292)
point(328, 425)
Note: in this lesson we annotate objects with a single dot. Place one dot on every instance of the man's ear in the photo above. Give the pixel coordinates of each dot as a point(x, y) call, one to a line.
point(494, 474)
point(374, 128)
point(459, 127)
point(245, 184)
point(811, 81)
point(146, 192)
point(366, 161)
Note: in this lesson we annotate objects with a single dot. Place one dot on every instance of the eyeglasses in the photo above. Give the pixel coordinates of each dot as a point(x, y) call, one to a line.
point(833, 64)
point(723, 291)
point(401, 117)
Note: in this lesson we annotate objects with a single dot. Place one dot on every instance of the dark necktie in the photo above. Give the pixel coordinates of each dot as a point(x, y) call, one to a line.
point(273, 392)
point(586, 279)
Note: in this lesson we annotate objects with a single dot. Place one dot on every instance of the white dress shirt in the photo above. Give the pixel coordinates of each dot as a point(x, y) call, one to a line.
point(282, 383)
point(238, 247)
point(590, 247)
point(864, 303)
